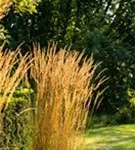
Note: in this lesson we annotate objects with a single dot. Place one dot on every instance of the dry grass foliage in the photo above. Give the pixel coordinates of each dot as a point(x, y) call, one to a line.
point(4, 7)
point(13, 66)
point(66, 83)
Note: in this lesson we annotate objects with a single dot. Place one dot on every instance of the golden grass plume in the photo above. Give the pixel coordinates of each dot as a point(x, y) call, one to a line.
point(66, 83)
point(13, 66)
point(4, 7)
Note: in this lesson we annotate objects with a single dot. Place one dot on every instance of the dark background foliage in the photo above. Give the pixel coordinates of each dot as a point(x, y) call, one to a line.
point(104, 27)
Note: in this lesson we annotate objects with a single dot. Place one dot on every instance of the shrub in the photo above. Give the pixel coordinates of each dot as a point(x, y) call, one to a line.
point(102, 120)
point(126, 114)
point(16, 128)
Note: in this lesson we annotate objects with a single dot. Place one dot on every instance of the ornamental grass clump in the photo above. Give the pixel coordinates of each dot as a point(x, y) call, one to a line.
point(66, 83)
point(13, 66)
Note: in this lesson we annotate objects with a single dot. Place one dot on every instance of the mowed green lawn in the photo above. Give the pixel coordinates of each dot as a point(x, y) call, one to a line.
point(110, 138)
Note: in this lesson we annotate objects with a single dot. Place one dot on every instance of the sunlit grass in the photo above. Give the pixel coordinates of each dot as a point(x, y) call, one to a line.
point(66, 82)
point(110, 138)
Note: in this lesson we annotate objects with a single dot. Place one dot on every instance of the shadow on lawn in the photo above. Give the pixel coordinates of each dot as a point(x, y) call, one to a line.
point(111, 138)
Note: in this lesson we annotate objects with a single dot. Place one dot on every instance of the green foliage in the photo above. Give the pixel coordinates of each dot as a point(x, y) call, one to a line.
point(131, 94)
point(26, 6)
point(17, 126)
point(106, 28)
point(126, 114)
point(21, 9)
point(4, 35)
point(99, 121)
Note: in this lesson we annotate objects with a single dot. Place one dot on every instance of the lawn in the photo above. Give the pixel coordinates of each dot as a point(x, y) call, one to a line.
point(110, 138)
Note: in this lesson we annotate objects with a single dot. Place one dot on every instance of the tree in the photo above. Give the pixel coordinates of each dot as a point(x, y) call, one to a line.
point(106, 28)
point(14, 7)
